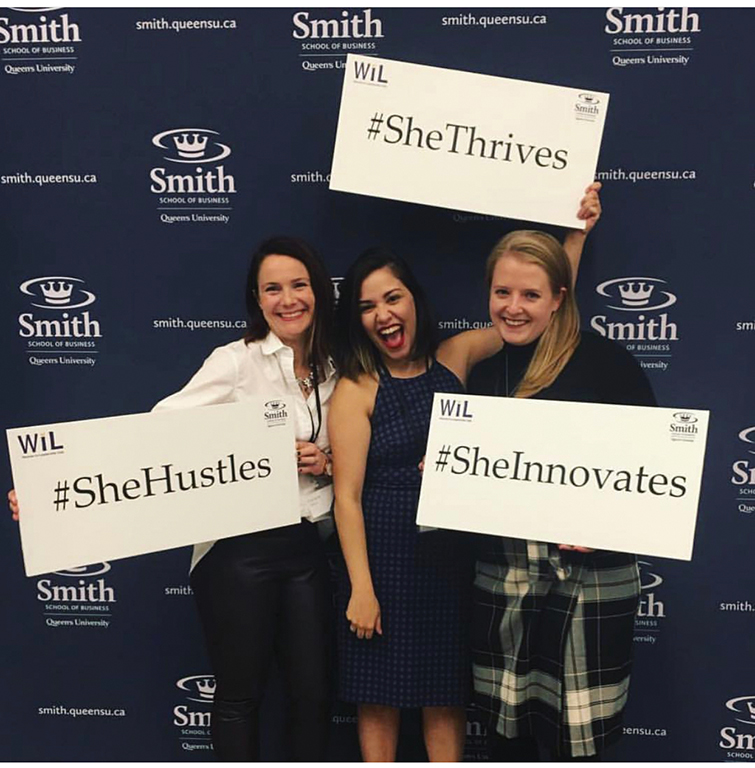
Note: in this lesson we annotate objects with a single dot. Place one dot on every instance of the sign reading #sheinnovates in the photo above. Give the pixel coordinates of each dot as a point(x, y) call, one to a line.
point(623, 478)
point(466, 141)
point(102, 489)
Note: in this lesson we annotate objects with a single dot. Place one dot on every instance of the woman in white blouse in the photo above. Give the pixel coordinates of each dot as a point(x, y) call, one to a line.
point(267, 595)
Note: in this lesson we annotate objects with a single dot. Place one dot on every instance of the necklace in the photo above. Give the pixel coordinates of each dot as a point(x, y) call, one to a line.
point(307, 382)
point(497, 385)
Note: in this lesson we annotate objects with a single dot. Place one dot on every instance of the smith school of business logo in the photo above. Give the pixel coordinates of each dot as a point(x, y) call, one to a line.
point(684, 427)
point(637, 318)
point(275, 413)
point(323, 42)
point(57, 292)
point(199, 688)
point(77, 597)
point(38, 40)
point(193, 722)
point(60, 334)
point(196, 186)
point(743, 473)
point(739, 739)
point(652, 36)
point(587, 107)
point(652, 610)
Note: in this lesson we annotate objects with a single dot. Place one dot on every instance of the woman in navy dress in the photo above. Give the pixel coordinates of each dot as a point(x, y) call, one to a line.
point(405, 591)
point(403, 644)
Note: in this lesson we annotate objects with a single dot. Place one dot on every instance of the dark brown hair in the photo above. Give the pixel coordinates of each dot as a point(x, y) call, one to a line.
point(322, 323)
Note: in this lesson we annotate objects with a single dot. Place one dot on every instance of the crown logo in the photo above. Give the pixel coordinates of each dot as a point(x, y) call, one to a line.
point(635, 294)
point(190, 145)
point(206, 687)
point(56, 292)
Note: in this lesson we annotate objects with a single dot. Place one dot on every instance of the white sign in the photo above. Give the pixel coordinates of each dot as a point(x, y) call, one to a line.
point(465, 141)
point(622, 478)
point(107, 488)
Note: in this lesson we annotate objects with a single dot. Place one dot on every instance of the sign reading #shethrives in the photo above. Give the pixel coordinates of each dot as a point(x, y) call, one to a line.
point(98, 490)
point(466, 141)
point(614, 477)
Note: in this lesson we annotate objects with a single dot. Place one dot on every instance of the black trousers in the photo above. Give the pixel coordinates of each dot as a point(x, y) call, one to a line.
point(265, 596)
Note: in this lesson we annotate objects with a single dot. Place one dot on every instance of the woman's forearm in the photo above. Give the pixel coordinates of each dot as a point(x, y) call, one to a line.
point(350, 526)
point(574, 244)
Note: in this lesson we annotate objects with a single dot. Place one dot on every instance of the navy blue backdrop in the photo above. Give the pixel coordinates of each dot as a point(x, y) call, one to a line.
point(92, 101)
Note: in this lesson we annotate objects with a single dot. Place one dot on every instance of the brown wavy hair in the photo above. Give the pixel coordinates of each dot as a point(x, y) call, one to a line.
point(559, 340)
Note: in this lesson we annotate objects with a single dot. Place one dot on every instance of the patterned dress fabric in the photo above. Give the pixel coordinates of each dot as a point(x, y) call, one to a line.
point(422, 580)
point(552, 630)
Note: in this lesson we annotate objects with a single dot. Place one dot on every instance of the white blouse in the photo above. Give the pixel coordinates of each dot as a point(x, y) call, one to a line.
point(238, 371)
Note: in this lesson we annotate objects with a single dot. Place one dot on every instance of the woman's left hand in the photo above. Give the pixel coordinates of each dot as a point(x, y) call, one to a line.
point(589, 207)
point(310, 459)
point(572, 548)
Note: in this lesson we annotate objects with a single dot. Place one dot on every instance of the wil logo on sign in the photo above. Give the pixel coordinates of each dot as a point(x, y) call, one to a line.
point(366, 72)
point(458, 410)
point(38, 442)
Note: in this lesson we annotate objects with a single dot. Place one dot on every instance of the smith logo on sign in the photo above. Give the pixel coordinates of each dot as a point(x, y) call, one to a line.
point(37, 443)
point(364, 71)
point(275, 412)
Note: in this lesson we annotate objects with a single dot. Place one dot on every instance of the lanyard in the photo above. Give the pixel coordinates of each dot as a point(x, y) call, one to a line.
point(316, 386)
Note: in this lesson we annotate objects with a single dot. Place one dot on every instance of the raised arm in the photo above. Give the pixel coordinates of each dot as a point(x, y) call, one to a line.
point(574, 241)
point(350, 431)
point(462, 352)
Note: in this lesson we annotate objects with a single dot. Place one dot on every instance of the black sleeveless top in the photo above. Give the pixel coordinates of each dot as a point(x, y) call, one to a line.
point(599, 371)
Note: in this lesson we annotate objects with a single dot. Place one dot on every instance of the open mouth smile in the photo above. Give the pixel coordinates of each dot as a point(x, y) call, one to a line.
point(392, 336)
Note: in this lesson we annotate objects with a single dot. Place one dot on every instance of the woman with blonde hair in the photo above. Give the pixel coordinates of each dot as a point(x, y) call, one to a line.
point(553, 623)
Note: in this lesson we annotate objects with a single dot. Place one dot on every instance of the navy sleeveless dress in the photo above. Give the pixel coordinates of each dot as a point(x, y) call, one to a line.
point(422, 580)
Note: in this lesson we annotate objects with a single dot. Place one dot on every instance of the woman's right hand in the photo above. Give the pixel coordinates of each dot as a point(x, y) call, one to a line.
point(13, 502)
point(363, 614)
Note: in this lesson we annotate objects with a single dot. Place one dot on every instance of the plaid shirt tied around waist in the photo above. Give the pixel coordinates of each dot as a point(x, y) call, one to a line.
point(551, 642)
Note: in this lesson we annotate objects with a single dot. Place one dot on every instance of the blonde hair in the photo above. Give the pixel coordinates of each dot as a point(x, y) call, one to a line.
point(559, 340)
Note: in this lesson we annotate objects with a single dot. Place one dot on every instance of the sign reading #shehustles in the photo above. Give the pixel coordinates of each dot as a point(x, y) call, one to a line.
point(108, 488)
point(465, 141)
point(623, 478)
